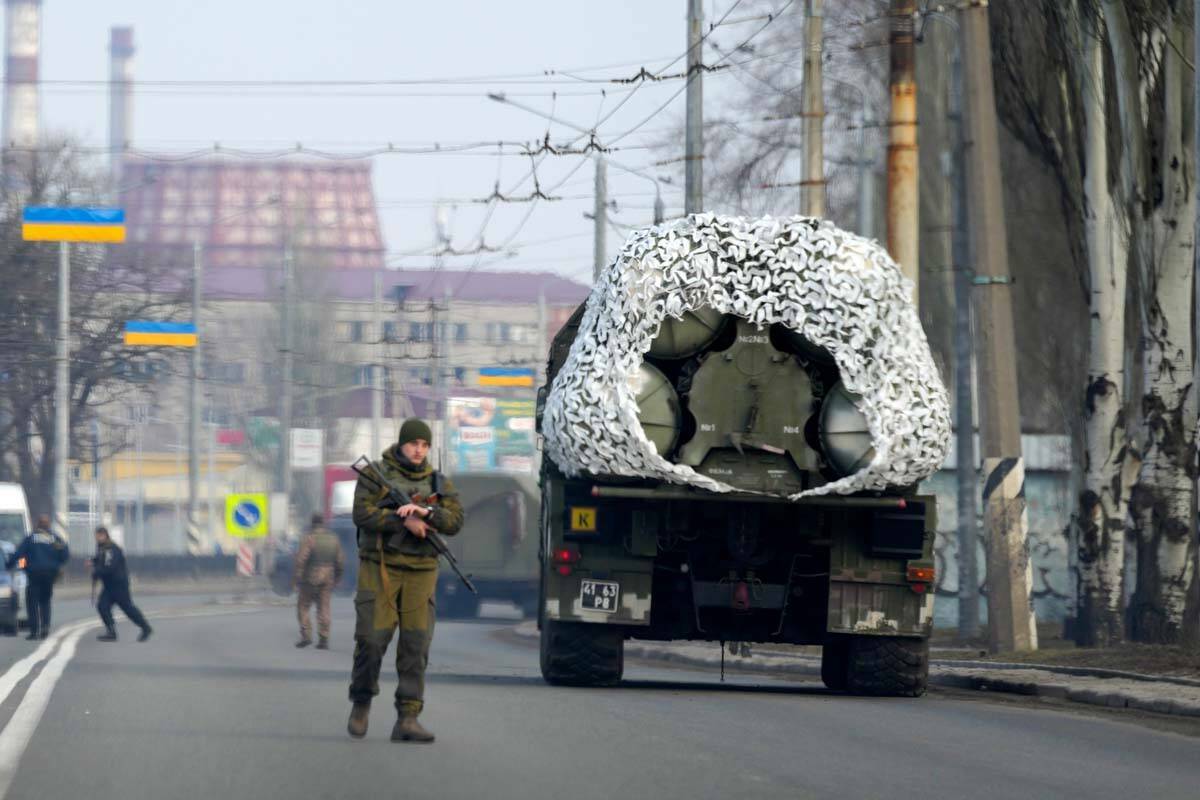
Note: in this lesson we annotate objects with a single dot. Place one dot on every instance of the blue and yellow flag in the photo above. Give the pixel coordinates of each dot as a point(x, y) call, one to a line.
point(161, 334)
point(505, 376)
point(50, 224)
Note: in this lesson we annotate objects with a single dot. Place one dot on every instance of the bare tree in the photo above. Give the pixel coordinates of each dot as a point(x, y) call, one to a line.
point(103, 373)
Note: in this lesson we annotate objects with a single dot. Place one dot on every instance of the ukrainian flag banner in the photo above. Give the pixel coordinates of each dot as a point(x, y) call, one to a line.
point(161, 334)
point(505, 376)
point(49, 224)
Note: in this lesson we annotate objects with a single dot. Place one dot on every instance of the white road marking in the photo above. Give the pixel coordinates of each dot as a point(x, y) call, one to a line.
point(16, 735)
point(17, 672)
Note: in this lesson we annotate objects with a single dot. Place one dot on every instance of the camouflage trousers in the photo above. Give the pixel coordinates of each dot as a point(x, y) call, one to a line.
point(322, 595)
point(403, 600)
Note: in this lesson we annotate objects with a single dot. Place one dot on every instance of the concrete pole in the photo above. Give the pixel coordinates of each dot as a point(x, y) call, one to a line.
point(543, 346)
point(193, 508)
point(97, 472)
point(866, 176)
point(211, 430)
point(902, 190)
point(660, 211)
point(377, 367)
point(812, 186)
point(141, 480)
point(447, 354)
point(62, 393)
point(600, 245)
point(285, 400)
point(964, 347)
point(1010, 578)
point(693, 191)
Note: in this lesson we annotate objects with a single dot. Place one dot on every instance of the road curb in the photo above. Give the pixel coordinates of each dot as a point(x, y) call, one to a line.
point(1153, 694)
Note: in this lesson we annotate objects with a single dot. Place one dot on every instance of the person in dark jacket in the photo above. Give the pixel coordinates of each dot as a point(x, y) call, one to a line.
point(44, 554)
point(108, 567)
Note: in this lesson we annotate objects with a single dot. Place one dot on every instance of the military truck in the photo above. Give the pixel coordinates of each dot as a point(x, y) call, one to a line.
point(497, 546)
point(627, 558)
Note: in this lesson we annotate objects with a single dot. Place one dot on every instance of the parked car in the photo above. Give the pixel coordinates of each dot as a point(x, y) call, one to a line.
point(14, 524)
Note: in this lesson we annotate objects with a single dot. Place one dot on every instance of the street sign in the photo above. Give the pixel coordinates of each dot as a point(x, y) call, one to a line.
point(246, 515)
point(307, 450)
point(505, 376)
point(160, 334)
point(51, 224)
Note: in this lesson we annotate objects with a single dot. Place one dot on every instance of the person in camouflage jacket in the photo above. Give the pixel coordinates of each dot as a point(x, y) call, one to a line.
point(397, 578)
point(319, 567)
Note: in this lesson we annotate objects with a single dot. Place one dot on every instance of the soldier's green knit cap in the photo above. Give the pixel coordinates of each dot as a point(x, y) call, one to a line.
point(414, 428)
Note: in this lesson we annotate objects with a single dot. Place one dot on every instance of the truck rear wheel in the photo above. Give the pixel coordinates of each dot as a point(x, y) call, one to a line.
point(887, 666)
point(581, 654)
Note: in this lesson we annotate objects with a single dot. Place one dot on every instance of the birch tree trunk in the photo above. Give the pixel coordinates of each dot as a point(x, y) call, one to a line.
point(1102, 504)
point(1164, 499)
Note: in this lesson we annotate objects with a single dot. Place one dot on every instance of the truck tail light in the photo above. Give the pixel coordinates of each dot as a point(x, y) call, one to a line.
point(921, 574)
point(920, 578)
point(565, 559)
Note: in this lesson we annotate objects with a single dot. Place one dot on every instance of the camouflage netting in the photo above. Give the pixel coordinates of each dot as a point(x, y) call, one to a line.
point(840, 291)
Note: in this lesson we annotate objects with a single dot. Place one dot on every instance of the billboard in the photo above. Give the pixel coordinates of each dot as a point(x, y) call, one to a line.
point(489, 434)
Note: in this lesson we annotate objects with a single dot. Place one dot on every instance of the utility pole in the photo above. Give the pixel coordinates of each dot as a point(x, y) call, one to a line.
point(600, 244)
point(964, 347)
point(193, 525)
point(866, 176)
point(1010, 579)
point(377, 367)
point(543, 346)
point(902, 190)
point(693, 192)
point(812, 186)
point(62, 393)
point(285, 400)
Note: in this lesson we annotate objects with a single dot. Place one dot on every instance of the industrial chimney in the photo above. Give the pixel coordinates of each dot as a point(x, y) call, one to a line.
point(22, 47)
point(120, 101)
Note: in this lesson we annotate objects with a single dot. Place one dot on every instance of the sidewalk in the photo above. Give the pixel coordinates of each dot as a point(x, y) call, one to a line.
point(1161, 694)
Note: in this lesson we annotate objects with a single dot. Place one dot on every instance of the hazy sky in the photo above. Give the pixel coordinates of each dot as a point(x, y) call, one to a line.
point(382, 40)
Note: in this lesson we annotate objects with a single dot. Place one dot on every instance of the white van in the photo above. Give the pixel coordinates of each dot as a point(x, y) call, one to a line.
point(14, 525)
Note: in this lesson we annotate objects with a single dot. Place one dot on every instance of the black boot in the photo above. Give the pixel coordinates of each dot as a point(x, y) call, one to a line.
point(33, 636)
point(305, 642)
point(145, 634)
point(323, 643)
point(109, 635)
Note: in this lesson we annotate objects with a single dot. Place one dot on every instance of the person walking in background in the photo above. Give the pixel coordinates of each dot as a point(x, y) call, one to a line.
point(44, 553)
point(109, 568)
point(319, 566)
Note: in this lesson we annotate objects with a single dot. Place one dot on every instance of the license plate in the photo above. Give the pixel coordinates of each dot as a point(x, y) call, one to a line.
point(599, 595)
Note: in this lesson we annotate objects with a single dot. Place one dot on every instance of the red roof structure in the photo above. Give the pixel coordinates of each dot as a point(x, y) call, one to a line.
point(244, 212)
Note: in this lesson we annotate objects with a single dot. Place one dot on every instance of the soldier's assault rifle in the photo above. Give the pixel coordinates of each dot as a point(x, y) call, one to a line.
point(368, 471)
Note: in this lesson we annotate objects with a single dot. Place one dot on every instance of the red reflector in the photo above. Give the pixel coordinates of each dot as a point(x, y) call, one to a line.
point(919, 588)
point(741, 596)
point(921, 574)
point(902, 504)
point(566, 555)
point(565, 570)
point(595, 491)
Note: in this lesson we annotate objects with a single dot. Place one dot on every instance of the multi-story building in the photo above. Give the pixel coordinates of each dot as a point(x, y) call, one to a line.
point(291, 262)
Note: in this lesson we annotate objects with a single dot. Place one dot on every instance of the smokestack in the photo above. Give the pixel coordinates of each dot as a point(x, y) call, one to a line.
point(22, 47)
point(120, 102)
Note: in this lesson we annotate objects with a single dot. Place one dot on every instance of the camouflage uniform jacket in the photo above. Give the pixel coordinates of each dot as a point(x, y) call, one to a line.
point(382, 534)
point(320, 560)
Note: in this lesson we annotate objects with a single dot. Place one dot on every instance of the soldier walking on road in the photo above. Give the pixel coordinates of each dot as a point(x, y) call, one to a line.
point(44, 554)
point(319, 566)
point(108, 567)
point(397, 577)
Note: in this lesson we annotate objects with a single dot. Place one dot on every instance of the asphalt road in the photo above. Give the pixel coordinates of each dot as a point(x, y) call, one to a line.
point(220, 705)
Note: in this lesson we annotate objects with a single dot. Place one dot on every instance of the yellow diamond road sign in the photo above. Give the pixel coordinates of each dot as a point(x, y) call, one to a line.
point(246, 515)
